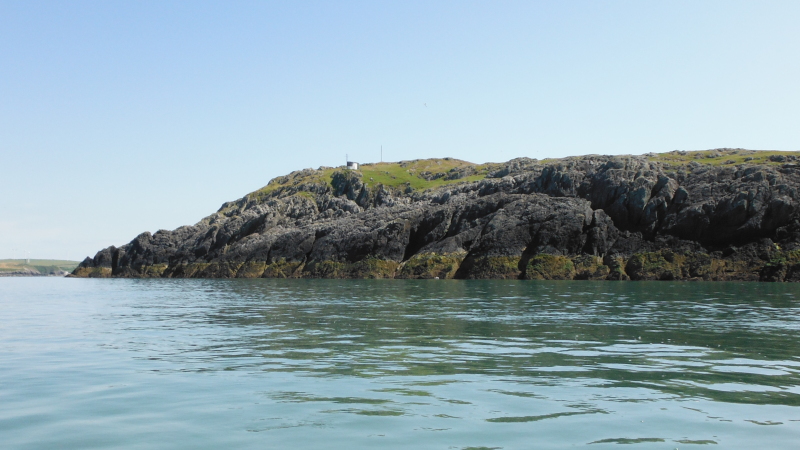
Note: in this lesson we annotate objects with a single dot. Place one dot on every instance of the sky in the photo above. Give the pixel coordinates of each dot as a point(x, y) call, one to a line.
point(120, 117)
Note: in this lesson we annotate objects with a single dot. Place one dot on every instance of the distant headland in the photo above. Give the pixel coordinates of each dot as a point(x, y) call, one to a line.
point(36, 267)
point(724, 214)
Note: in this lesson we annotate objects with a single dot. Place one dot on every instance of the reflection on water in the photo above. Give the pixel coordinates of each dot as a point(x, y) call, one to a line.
point(390, 363)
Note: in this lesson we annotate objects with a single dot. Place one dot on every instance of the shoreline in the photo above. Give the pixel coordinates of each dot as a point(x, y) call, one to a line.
point(19, 274)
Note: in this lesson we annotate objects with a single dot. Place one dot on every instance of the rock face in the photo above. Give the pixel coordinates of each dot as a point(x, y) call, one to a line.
point(718, 215)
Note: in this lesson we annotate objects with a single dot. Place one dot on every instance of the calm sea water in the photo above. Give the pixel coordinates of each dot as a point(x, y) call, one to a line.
point(317, 364)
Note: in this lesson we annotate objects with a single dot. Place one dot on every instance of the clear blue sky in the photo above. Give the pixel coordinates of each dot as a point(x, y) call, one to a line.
point(118, 117)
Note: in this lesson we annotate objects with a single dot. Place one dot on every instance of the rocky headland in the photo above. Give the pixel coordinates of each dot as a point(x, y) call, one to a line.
point(725, 214)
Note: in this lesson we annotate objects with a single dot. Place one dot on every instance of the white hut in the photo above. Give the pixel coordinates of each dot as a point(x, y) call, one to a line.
point(352, 165)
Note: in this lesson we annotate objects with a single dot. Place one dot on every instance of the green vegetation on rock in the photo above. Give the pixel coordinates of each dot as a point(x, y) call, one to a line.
point(372, 268)
point(550, 267)
point(663, 265)
point(252, 269)
point(784, 266)
point(589, 267)
point(366, 268)
point(720, 157)
point(92, 272)
point(416, 175)
point(431, 265)
point(493, 267)
point(281, 269)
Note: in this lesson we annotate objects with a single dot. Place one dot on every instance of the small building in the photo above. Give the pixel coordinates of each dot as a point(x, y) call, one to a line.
point(352, 165)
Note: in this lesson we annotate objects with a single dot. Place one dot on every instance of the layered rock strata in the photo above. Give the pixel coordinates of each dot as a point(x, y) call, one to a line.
point(676, 216)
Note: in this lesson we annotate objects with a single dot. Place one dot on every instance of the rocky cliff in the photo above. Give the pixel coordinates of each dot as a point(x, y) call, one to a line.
point(726, 214)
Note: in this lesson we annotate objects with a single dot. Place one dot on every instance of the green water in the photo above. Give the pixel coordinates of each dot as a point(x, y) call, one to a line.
point(445, 364)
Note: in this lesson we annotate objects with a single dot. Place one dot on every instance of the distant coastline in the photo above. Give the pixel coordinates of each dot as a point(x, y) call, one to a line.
point(36, 267)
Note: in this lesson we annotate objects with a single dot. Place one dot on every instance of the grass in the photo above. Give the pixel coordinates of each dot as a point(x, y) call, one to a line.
point(411, 173)
point(13, 265)
point(423, 174)
point(306, 194)
point(721, 157)
point(397, 175)
point(294, 180)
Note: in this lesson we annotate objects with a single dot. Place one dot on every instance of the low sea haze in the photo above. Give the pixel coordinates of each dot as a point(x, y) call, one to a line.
point(422, 364)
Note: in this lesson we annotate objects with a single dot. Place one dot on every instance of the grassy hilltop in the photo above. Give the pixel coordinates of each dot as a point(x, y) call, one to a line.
point(415, 175)
point(423, 174)
point(725, 156)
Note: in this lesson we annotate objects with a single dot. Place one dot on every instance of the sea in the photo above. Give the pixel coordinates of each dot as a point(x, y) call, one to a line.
point(397, 364)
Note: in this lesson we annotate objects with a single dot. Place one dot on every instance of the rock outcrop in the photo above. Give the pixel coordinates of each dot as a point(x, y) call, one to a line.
point(715, 215)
